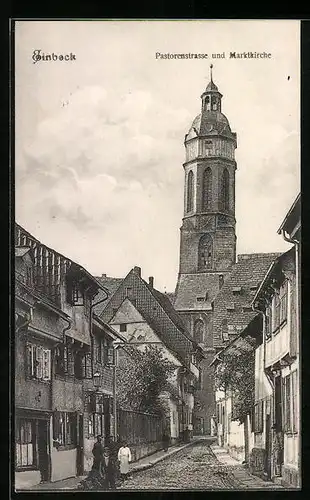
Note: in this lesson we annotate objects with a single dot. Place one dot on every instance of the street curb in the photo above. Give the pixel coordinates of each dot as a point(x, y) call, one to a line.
point(151, 463)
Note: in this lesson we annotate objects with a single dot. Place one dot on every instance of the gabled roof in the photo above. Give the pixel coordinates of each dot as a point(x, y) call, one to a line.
point(153, 326)
point(247, 273)
point(155, 308)
point(272, 270)
point(292, 217)
point(110, 286)
point(191, 286)
point(72, 265)
point(246, 341)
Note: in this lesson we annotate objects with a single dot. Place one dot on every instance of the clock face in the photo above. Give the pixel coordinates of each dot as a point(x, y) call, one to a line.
point(209, 127)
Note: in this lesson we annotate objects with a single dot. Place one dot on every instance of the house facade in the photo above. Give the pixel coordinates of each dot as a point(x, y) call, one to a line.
point(56, 356)
point(145, 315)
point(278, 300)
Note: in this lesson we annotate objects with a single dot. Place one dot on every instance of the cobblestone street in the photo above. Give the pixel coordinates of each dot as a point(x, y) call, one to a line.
point(195, 467)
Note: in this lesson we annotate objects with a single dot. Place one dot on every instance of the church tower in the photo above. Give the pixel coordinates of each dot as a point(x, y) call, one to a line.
point(208, 241)
point(208, 238)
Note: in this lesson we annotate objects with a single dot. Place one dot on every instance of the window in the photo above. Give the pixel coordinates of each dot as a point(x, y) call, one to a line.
point(91, 425)
point(83, 366)
point(198, 331)
point(205, 253)
point(123, 327)
point(207, 189)
point(287, 403)
point(64, 361)
point(190, 191)
point(64, 428)
point(25, 443)
point(258, 416)
point(224, 329)
point(109, 353)
point(283, 302)
point(225, 191)
point(290, 409)
point(95, 407)
point(276, 310)
point(221, 280)
point(75, 295)
point(38, 362)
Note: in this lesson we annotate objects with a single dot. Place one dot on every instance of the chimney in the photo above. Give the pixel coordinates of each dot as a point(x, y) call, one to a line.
point(151, 281)
point(137, 270)
point(103, 276)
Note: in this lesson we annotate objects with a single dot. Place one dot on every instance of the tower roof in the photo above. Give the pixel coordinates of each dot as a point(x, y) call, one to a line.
point(211, 86)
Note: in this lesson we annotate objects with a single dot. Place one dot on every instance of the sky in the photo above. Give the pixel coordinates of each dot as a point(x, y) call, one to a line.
point(99, 140)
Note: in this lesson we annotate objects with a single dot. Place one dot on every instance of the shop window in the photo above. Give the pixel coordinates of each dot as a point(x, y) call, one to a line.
point(25, 443)
point(64, 428)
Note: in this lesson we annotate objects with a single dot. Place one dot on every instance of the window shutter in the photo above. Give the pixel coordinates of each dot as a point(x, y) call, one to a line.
point(46, 364)
point(110, 354)
point(88, 366)
point(39, 362)
point(70, 361)
point(65, 360)
point(29, 361)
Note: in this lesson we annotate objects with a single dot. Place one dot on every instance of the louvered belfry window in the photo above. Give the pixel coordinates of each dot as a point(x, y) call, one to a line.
point(190, 191)
point(207, 189)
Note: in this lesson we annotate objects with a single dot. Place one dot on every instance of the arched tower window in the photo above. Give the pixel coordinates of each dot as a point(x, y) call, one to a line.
point(225, 191)
point(198, 331)
point(207, 189)
point(205, 253)
point(190, 191)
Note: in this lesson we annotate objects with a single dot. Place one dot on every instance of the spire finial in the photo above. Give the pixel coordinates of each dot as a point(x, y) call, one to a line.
point(211, 66)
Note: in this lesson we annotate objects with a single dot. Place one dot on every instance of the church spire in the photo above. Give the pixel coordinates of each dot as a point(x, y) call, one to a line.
point(211, 98)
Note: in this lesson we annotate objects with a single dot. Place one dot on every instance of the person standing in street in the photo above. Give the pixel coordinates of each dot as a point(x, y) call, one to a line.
point(124, 458)
point(166, 440)
point(108, 469)
point(98, 454)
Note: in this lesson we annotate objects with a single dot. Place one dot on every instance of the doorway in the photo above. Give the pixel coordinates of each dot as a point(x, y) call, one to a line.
point(278, 440)
point(80, 446)
point(43, 447)
point(267, 466)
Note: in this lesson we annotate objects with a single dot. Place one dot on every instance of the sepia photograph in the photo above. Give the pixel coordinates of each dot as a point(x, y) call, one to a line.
point(157, 237)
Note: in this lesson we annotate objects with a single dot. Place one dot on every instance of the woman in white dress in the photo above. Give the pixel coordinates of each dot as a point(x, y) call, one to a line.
point(124, 458)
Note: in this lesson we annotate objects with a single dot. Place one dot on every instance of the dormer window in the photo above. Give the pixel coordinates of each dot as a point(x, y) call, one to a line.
point(236, 290)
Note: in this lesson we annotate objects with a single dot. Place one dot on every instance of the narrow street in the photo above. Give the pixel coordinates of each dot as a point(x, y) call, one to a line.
point(195, 467)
